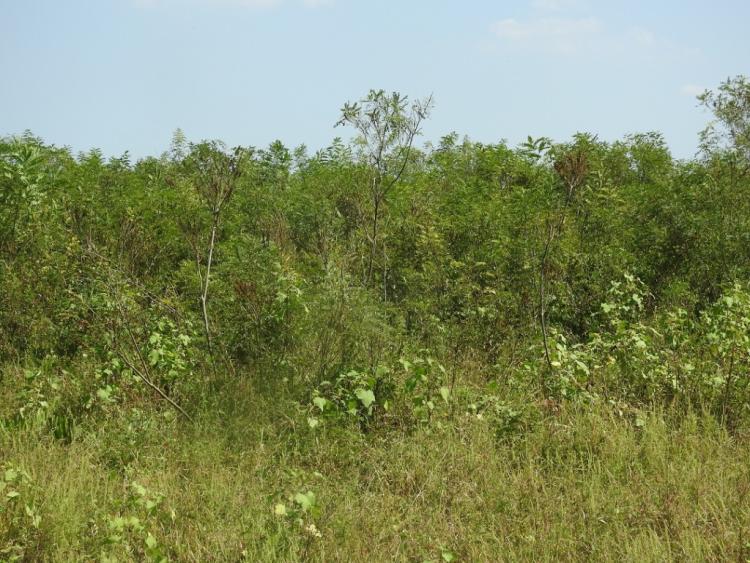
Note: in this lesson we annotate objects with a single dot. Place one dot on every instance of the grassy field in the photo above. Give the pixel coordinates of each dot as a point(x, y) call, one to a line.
point(575, 484)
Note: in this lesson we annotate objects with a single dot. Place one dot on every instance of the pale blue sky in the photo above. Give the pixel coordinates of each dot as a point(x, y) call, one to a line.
point(123, 74)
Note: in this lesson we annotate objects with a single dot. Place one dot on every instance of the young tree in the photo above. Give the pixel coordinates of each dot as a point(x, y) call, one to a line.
point(572, 168)
point(215, 174)
point(730, 129)
point(387, 126)
point(21, 171)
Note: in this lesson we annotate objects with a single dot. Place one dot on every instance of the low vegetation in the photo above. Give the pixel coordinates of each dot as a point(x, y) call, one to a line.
point(378, 352)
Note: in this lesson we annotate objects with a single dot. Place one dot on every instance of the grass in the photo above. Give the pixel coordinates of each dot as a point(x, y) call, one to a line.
point(581, 483)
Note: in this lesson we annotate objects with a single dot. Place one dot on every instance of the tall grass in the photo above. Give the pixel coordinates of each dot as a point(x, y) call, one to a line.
point(577, 484)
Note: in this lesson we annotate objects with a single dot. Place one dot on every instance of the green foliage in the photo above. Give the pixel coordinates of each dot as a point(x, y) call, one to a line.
point(353, 394)
point(508, 420)
point(130, 531)
point(170, 352)
point(20, 519)
point(437, 341)
point(22, 178)
point(730, 130)
point(425, 385)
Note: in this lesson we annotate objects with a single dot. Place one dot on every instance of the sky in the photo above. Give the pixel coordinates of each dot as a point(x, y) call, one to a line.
point(124, 74)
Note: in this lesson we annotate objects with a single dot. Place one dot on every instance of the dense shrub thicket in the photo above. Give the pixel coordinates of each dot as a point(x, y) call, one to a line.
point(373, 293)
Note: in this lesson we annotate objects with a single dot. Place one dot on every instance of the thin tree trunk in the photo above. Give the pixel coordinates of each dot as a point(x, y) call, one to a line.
point(553, 232)
point(543, 297)
point(374, 242)
point(206, 279)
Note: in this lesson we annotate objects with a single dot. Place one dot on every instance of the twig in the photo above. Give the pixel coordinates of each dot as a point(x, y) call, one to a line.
point(142, 375)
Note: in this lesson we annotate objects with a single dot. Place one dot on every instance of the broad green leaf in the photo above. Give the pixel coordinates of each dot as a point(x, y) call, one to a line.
point(153, 357)
point(321, 403)
point(366, 396)
point(305, 501)
point(445, 393)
